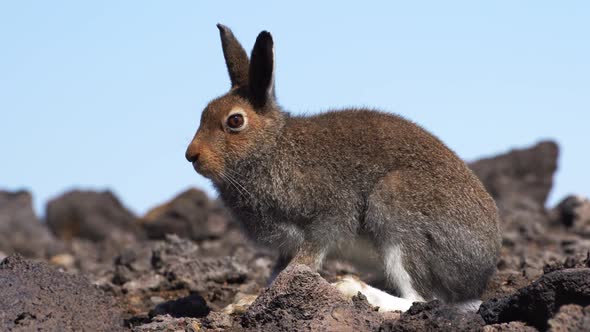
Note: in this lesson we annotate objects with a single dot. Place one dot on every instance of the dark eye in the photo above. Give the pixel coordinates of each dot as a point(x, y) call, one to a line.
point(235, 121)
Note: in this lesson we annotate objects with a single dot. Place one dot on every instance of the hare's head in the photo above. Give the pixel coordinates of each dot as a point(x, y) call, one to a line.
point(244, 121)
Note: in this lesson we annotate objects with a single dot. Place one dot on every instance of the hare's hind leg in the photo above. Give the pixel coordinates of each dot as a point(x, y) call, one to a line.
point(397, 275)
point(350, 286)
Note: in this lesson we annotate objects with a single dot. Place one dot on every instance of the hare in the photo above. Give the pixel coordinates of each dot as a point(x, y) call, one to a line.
point(306, 185)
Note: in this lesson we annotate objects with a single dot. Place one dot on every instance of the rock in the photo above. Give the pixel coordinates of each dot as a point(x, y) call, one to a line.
point(300, 299)
point(571, 262)
point(177, 267)
point(537, 303)
point(169, 323)
point(63, 260)
point(434, 316)
point(132, 263)
point(19, 225)
point(91, 215)
point(191, 214)
point(217, 321)
point(36, 296)
point(511, 327)
point(180, 261)
point(193, 306)
point(520, 173)
point(572, 318)
point(573, 212)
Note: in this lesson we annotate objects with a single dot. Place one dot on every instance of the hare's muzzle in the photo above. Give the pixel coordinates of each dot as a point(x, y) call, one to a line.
point(191, 156)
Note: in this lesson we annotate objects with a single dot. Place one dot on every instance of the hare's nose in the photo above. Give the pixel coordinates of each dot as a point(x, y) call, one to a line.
point(191, 156)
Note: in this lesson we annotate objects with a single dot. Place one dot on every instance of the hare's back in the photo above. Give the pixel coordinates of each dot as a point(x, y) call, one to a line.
point(371, 138)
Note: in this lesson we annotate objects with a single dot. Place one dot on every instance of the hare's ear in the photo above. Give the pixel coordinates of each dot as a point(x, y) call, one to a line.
point(235, 56)
point(261, 75)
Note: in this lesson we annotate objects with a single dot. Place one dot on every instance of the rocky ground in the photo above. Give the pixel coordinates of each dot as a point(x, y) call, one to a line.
point(92, 265)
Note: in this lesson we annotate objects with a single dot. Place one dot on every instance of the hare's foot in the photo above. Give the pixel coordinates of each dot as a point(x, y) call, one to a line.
point(241, 303)
point(351, 286)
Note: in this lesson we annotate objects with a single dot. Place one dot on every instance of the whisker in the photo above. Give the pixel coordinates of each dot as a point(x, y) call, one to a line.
point(231, 181)
point(238, 183)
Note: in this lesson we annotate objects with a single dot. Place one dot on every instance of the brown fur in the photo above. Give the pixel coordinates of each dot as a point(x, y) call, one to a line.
point(306, 185)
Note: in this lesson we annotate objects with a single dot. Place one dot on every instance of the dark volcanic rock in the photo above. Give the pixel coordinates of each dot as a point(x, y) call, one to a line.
point(573, 212)
point(520, 173)
point(191, 214)
point(434, 316)
point(300, 299)
point(35, 296)
point(193, 305)
point(538, 302)
point(91, 215)
point(20, 230)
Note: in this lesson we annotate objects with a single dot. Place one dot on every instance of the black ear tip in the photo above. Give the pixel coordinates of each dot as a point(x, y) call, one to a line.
point(264, 36)
point(222, 28)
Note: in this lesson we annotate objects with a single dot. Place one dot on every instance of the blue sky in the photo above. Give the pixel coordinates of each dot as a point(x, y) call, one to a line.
point(107, 94)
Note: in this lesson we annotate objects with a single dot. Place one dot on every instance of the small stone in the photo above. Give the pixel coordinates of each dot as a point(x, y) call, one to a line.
point(157, 300)
point(64, 260)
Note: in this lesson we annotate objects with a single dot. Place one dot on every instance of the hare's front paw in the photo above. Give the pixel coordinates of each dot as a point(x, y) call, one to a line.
point(351, 286)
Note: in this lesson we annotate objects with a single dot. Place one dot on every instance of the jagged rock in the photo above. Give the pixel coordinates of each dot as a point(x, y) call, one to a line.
point(300, 299)
point(20, 229)
point(180, 261)
point(36, 296)
point(537, 303)
point(91, 215)
point(520, 173)
point(434, 316)
point(191, 214)
point(573, 212)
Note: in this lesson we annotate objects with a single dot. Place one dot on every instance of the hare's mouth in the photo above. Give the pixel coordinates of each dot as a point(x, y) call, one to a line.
point(204, 171)
point(199, 168)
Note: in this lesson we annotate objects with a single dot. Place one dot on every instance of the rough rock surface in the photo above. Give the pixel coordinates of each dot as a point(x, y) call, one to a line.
point(19, 224)
point(538, 302)
point(91, 215)
point(176, 268)
point(35, 296)
point(572, 318)
point(512, 327)
point(434, 316)
point(300, 299)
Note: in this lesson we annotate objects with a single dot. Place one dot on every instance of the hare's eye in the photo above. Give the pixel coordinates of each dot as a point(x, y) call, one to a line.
point(235, 121)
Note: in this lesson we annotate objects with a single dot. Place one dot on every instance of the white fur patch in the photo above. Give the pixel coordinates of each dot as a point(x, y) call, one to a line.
point(469, 306)
point(351, 286)
point(396, 273)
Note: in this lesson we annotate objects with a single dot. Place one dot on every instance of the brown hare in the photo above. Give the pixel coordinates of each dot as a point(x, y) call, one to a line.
point(306, 185)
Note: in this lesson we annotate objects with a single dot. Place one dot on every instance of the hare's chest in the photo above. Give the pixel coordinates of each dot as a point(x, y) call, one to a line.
point(271, 228)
